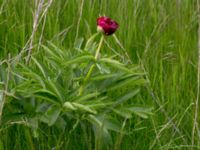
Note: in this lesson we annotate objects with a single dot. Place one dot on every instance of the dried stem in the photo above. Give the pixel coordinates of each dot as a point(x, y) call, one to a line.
point(38, 16)
point(35, 25)
point(44, 14)
point(79, 19)
point(2, 102)
point(195, 124)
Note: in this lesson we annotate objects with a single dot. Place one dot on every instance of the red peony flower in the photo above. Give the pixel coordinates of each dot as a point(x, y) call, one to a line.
point(106, 25)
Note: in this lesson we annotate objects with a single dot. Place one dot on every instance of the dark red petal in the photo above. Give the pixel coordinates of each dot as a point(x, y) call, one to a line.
point(108, 25)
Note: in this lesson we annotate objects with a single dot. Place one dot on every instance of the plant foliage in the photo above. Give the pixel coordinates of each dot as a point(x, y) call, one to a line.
point(47, 90)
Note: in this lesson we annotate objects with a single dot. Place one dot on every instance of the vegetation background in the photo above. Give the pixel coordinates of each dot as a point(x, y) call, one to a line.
point(160, 35)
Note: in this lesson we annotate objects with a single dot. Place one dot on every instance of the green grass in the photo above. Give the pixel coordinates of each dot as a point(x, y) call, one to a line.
point(162, 36)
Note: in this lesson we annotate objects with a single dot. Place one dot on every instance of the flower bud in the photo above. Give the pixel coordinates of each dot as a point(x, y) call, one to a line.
point(106, 25)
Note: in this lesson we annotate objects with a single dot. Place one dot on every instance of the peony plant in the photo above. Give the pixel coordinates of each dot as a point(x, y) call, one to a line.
point(74, 91)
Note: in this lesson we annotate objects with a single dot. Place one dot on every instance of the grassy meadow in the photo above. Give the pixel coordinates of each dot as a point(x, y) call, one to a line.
point(142, 94)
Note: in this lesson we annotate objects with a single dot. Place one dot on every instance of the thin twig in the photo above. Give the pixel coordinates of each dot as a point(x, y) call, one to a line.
point(122, 47)
point(41, 36)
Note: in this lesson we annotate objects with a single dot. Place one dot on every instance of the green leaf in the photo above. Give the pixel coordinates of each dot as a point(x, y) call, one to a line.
point(51, 115)
point(47, 95)
point(130, 81)
point(60, 123)
point(55, 89)
point(98, 105)
point(103, 68)
point(103, 77)
point(100, 130)
point(141, 111)
point(93, 120)
point(112, 124)
point(33, 122)
point(116, 64)
point(90, 43)
point(105, 122)
point(127, 96)
point(14, 118)
point(84, 108)
point(78, 43)
point(56, 50)
point(86, 97)
point(123, 112)
point(69, 106)
point(79, 59)
point(29, 73)
point(52, 53)
point(39, 66)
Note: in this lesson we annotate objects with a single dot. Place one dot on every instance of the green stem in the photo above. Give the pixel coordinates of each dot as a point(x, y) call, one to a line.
point(99, 47)
point(92, 66)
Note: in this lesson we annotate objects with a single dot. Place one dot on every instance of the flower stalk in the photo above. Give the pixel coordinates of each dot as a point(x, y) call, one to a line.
point(107, 26)
point(87, 77)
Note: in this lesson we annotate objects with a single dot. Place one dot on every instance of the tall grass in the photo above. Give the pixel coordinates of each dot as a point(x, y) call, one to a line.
point(162, 36)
